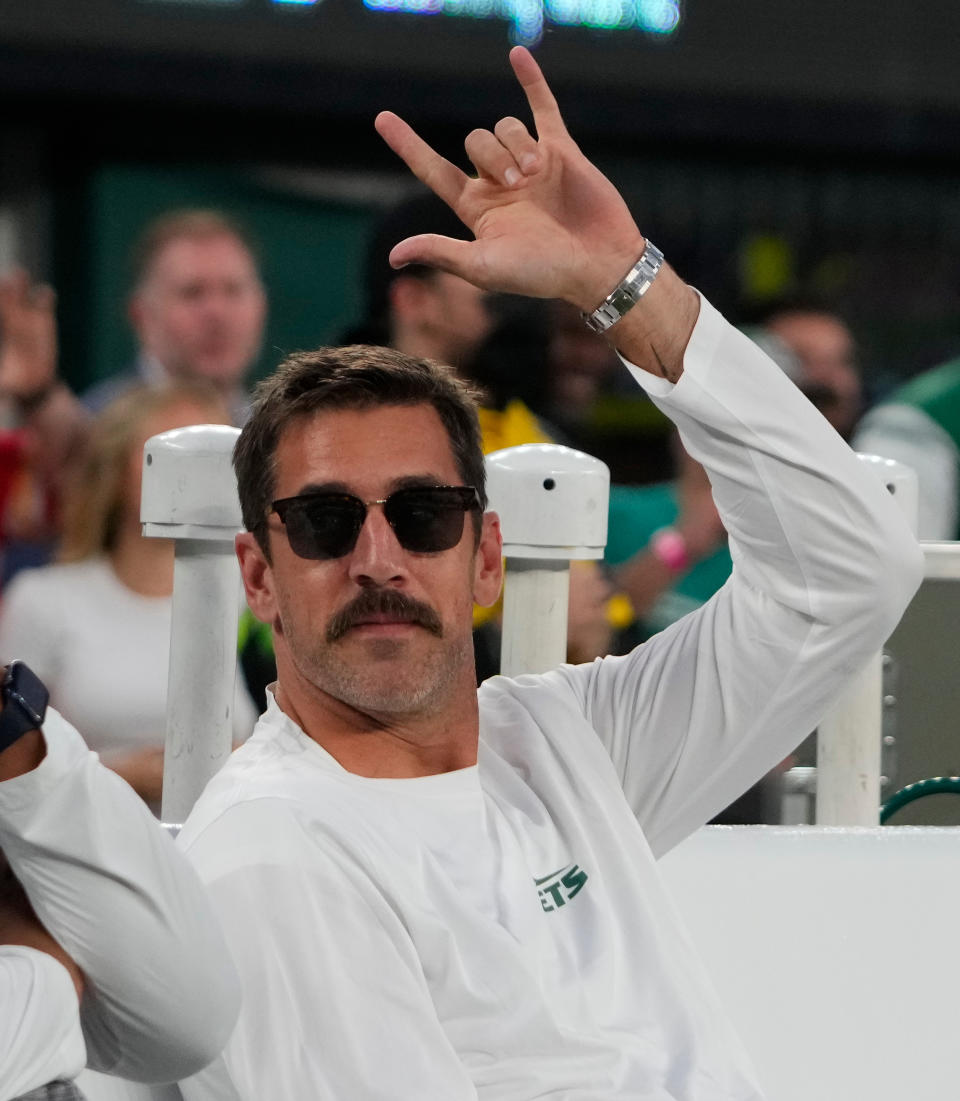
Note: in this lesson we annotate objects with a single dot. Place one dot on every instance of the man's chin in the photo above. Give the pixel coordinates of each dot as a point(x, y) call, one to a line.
point(218, 372)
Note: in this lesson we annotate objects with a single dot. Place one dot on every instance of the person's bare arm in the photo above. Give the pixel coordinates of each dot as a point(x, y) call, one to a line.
point(143, 771)
point(647, 575)
point(547, 222)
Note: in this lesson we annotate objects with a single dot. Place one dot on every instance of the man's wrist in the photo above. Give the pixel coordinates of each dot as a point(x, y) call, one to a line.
point(604, 277)
point(23, 756)
point(628, 291)
point(23, 706)
point(654, 335)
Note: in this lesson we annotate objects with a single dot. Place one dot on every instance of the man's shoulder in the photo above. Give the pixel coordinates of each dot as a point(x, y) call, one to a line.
point(274, 795)
point(526, 715)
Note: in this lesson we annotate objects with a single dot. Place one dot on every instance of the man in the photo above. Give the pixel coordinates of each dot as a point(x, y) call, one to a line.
point(198, 310)
point(421, 311)
point(439, 893)
point(109, 954)
point(197, 307)
point(826, 358)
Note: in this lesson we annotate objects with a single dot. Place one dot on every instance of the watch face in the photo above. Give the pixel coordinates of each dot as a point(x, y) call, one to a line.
point(23, 687)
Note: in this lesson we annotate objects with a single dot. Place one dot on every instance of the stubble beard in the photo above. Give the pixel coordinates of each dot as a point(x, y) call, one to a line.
point(385, 676)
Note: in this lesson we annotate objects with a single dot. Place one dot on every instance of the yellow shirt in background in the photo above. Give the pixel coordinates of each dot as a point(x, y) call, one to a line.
point(512, 426)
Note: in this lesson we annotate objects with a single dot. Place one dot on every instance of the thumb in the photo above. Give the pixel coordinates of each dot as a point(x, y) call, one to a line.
point(446, 253)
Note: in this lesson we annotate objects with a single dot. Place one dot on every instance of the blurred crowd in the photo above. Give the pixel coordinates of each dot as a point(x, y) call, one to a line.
point(86, 598)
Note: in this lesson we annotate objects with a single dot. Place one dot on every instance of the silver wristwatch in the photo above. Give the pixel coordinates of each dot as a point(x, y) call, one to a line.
point(628, 293)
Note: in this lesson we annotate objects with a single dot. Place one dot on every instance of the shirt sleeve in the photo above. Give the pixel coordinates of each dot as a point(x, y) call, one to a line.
point(113, 889)
point(335, 1002)
point(824, 565)
point(40, 1037)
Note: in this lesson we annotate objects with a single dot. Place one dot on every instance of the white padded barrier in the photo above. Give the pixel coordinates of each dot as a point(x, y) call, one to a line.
point(833, 951)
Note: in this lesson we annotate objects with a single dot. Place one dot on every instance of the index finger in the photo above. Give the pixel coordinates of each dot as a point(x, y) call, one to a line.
point(546, 112)
point(423, 160)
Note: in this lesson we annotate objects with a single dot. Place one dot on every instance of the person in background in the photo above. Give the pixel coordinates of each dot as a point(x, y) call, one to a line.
point(919, 425)
point(824, 357)
point(198, 309)
point(437, 315)
point(110, 955)
point(667, 547)
point(42, 425)
point(96, 625)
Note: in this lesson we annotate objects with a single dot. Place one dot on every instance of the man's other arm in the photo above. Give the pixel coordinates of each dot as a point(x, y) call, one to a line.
point(111, 887)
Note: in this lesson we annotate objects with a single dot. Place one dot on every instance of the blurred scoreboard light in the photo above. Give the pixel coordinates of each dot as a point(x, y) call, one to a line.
point(527, 18)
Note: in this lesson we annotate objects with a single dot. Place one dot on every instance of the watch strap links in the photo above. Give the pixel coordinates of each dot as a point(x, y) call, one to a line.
point(628, 291)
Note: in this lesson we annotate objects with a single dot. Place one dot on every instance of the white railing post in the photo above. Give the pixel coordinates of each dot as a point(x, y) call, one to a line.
point(190, 496)
point(849, 740)
point(552, 503)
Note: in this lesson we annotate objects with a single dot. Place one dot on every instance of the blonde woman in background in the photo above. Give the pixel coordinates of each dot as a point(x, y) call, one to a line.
point(95, 626)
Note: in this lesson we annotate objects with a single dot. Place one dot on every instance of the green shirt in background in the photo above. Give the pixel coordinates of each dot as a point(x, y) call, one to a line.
point(636, 512)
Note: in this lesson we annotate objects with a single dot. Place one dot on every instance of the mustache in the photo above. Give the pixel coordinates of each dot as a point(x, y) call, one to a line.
point(388, 602)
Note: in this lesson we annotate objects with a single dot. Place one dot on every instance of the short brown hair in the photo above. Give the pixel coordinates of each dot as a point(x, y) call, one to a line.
point(358, 376)
point(176, 225)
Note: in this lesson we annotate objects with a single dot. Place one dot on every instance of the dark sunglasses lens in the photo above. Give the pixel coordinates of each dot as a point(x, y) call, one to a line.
point(324, 527)
point(427, 520)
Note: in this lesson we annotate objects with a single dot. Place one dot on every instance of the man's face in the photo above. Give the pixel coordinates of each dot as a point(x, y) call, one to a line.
point(452, 314)
point(825, 348)
point(407, 646)
point(201, 308)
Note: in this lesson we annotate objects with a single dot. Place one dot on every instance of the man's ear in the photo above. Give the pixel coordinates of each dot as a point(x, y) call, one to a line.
point(488, 562)
point(257, 577)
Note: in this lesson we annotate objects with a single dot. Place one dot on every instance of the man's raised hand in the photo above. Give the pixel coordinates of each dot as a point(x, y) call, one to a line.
point(547, 222)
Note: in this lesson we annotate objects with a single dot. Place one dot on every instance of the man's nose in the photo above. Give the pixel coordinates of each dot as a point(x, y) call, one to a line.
point(377, 558)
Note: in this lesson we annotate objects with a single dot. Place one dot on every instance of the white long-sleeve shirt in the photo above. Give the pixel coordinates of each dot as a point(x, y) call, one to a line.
point(501, 932)
point(40, 1036)
point(113, 890)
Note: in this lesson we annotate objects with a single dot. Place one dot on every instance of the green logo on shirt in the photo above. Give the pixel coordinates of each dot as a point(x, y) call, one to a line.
point(558, 888)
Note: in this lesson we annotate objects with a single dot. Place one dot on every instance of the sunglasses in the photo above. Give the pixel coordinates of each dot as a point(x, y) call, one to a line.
point(425, 519)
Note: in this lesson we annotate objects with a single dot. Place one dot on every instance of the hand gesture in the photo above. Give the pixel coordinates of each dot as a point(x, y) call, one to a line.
point(28, 336)
point(547, 222)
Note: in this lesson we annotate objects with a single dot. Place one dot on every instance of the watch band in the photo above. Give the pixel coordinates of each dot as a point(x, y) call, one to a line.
point(628, 292)
point(24, 703)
